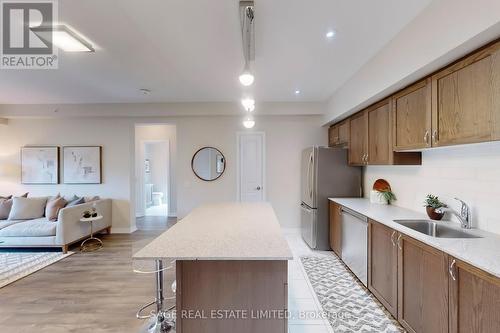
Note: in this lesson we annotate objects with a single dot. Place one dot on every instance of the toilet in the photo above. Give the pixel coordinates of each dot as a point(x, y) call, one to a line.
point(157, 198)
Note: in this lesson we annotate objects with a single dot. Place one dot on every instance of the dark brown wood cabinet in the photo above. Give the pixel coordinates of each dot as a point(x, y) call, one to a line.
point(411, 113)
point(370, 140)
point(338, 134)
point(466, 99)
point(379, 134)
point(358, 141)
point(333, 135)
point(474, 299)
point(383, 265)
point(422, 287)
point(336, 228)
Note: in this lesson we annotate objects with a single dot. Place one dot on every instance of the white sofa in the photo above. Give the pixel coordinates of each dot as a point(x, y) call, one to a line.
point(67, 230)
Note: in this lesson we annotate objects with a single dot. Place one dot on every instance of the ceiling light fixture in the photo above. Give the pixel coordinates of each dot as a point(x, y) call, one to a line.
point(247, 16)
point(248, 104)
point(330, 34)
point(64, 38)
point(246, 78)
point(297, 92)
point(248, 122)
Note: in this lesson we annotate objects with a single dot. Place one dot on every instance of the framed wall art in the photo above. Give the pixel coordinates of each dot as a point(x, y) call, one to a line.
point(82, 164)
point(40, 165)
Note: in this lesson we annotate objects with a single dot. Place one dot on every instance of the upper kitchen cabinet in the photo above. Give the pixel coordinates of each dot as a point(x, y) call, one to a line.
point(379, 134)
point(358, 139)
point(338, 134)
point(474, 299)
point(411, 112)
point(466, 99)
point(371, 138)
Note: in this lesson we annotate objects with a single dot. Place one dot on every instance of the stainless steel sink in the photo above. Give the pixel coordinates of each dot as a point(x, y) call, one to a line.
point(435, 229)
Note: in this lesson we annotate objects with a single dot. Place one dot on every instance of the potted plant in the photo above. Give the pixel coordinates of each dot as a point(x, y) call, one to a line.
point(387, 195)
point(432, 203)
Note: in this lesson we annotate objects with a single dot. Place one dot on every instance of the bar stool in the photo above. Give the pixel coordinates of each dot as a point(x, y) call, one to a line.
point(160, 320)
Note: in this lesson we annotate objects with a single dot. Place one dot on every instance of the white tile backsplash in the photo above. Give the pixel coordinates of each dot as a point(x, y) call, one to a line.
point(470, 172)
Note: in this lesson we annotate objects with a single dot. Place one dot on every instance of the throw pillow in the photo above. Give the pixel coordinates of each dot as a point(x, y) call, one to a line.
point(5, 207)
point(90, 199)
point(75, 202)
point(27, 208)
point(53, 207)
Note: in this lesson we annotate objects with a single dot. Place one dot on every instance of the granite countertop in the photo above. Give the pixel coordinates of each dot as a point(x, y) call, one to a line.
point(222, 231)
point(483, 253)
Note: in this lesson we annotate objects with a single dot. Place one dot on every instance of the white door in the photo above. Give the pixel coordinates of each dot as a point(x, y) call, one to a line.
point(251, 167)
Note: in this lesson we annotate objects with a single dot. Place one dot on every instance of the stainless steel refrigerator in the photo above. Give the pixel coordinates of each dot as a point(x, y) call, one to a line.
point(325, 173)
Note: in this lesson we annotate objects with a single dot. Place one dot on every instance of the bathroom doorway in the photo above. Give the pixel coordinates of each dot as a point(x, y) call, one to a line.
point(154, 186)
point(156, 174)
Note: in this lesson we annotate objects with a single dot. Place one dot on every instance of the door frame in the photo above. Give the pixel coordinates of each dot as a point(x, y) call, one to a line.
point(239, 135)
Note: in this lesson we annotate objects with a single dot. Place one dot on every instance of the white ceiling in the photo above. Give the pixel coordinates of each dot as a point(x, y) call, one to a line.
point(190, 50)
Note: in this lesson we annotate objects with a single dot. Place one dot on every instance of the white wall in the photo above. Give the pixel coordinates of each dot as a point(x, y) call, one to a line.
point(286, 136)
point(469, 172)
point(444, 31)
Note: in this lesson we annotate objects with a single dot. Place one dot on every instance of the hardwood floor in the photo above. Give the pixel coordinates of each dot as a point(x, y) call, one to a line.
point(85, 292)
point(155, 222)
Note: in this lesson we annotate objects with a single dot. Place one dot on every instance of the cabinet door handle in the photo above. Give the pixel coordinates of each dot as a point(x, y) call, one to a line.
point(450, 270)
point(399, 242)
point(426, 137)
point(434, 136)
point(392, 238)
point(366, 160)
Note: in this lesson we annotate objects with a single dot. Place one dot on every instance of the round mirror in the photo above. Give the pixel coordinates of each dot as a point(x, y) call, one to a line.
point(208, 163)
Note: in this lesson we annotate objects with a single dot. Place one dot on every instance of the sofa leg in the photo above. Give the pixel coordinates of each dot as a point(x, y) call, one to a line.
point(108, 230)
point(64, 249)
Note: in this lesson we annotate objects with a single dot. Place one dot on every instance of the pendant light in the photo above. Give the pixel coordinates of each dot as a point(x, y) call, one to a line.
point(248, 122)
point(247, 35)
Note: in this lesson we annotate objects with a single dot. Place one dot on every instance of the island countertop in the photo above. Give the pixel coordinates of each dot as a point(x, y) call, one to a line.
point(222, 231)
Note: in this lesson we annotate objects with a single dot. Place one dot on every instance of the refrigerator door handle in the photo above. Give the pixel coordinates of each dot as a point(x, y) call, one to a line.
point(311, 174)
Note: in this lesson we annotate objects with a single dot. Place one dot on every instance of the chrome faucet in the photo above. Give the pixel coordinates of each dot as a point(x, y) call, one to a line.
point(464, 216)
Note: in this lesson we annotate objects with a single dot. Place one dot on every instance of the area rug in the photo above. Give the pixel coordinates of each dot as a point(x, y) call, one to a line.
point(16, 265)
point(348, 305)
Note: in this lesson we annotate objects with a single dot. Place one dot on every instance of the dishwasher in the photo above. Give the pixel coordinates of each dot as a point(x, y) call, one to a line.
point(355, 243)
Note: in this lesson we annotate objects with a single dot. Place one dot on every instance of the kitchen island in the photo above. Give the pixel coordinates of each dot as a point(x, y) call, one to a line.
point(231, 268)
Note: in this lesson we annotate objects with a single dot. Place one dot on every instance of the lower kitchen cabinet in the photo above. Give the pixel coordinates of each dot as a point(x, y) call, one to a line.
point(336, 228)
point(383, 265)
point(474, 299)
point(422, 287)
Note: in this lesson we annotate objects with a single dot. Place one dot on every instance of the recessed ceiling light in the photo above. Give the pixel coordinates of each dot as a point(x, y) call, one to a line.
point(145, 92)
point(248, 104)
point(330, 34)
point(297, 92)
point(64, 38)
point(249, 122)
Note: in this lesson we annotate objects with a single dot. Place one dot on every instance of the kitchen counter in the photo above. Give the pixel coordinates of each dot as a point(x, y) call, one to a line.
point(483, 253)
point(222, 231)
